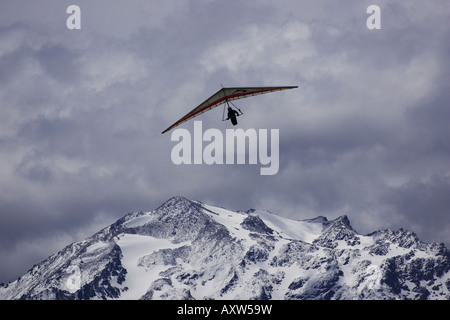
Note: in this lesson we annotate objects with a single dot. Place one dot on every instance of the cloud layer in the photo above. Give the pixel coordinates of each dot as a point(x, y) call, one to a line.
point(81, 113)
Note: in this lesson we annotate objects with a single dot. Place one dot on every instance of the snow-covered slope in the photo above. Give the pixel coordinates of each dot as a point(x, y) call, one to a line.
point(189, 250)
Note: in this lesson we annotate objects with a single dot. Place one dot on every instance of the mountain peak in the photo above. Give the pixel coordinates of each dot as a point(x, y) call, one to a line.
point(319, 219)
point(188, 250)
point(341, 221)
point(175, 202)
point(256, 224)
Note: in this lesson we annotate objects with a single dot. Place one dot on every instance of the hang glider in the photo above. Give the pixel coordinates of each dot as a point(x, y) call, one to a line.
point(226, 95)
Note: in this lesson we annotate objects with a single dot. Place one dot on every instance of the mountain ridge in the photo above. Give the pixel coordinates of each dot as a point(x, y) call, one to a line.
point(189, 250)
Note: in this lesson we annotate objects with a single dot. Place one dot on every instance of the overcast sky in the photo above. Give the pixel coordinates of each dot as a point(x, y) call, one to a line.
point(366, 134)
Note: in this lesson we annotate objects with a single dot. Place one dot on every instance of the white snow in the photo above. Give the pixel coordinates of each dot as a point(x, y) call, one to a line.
point(138, 221)
point(231, 220)
point(361, 269)
point(138, 278)
point(291, 229)
point(284, 227)
point(97, 246)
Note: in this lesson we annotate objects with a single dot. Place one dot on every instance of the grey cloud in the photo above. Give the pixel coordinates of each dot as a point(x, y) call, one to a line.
point(59, 62)
point(424, 205)
point(81, 113)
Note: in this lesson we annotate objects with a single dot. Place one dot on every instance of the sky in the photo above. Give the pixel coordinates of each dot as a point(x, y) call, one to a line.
point(366, 134)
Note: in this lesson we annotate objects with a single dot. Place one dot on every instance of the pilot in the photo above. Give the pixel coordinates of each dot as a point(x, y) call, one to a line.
point(232, 114)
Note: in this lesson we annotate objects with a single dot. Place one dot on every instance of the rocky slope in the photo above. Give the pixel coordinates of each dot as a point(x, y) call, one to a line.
point(189, 250)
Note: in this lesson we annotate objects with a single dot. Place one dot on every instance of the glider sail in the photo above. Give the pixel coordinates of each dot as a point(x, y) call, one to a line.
point(225, 95)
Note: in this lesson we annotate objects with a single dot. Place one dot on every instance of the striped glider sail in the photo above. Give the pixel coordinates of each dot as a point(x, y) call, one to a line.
point(226, 95)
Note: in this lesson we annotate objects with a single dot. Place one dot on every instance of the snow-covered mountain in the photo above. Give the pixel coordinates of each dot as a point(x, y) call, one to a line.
point(189, 250)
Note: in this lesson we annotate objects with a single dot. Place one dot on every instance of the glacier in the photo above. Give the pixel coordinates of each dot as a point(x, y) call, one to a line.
point(187, 250)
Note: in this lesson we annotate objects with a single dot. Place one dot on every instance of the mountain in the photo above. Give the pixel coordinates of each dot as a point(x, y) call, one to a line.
point(188, 250)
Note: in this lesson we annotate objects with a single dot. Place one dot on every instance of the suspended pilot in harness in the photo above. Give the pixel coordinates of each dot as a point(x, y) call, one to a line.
point(232, 114)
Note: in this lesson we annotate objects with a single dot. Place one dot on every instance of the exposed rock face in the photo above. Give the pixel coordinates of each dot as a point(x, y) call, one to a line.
point(188, 250)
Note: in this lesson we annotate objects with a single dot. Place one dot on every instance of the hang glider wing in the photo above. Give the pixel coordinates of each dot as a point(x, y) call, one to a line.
point(224, 95)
